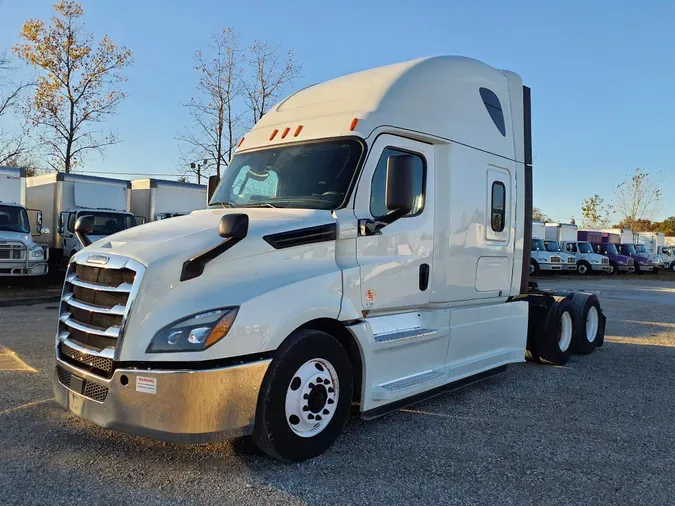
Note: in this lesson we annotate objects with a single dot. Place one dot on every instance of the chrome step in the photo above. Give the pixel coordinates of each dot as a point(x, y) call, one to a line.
point(395, 388)
point(405, 334)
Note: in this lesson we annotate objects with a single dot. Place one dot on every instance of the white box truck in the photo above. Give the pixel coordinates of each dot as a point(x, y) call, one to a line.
point(156, 199)
point(365, 244)
point(20, 255)
point(587, 260)
point(650, 244)
point(63, 198)
point(546, 255)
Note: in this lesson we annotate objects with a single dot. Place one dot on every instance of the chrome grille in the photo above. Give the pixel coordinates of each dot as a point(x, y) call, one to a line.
point(95, 304)
point(95, 361)
point(631, 261)
point(605, 260)
point(13, 251)
point(555, 260)
point(90, 389)
point(571, 260)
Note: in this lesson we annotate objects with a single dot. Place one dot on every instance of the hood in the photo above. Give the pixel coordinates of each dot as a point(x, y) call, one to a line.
point(189, 235)
point(16, 236)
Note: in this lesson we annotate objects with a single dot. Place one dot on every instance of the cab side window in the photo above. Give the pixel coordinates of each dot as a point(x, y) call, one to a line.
point(498, 206)
point(378, 206)
point(572, 248)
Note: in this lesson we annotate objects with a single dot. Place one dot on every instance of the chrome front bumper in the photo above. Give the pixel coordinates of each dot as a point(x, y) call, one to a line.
point(23, 268)
point(627, 268)
point(187, 406)
point(601, 267)
point(550, 267)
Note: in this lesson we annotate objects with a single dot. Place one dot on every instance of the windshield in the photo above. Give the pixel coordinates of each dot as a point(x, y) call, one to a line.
point(538, 244)
point(641, 248)
point(666, 251)
point(552, 246)
point(314, 175)
point(610, 249)
point(585, 247)
point(14, 219)
point(627, 249)
point(109, 223)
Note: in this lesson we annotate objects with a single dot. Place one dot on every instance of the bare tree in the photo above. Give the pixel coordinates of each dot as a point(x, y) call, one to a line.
point(595, 212)
point(213, 134)
point(78, 86)
point(270, 72)
point(638, 198)
point(13, 141)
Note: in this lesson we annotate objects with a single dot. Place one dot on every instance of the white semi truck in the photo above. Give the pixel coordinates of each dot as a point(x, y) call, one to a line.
point(365, 244)
point(63, 198)
point(586, 259)
point(546, 255)
point(20, 255)
point(157, 199)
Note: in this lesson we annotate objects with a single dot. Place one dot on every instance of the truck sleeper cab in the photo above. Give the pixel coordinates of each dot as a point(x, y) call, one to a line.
point(365, 244)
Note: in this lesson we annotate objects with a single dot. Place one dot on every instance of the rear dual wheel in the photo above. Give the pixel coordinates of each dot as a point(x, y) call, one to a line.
point(552, 329)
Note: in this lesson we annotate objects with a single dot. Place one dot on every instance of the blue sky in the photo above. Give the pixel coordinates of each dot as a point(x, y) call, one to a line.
point(601, 72)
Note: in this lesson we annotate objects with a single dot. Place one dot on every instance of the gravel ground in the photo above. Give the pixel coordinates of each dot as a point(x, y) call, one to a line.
point(597, 431)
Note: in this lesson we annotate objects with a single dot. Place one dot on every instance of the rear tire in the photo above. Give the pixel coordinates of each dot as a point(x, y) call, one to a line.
point(305, 397)
point(553, 343)
point(589, 330)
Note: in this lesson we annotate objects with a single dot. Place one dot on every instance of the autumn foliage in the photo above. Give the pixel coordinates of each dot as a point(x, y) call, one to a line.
point(77, 87)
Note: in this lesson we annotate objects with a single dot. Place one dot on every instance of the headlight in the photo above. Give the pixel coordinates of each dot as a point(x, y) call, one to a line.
point(621, 263)
point(595, 261)
point(195, 332)
point(37, 253)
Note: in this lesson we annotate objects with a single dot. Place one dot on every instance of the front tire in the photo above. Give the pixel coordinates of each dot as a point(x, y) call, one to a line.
point(672, 267)
point(305, 397)
point(534, 268)
point(583, 268)
point(613, 269)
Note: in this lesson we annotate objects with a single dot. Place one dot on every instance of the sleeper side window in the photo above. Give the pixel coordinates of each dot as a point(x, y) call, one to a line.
point(378, 206)
point(494, 108)
point(498, 206)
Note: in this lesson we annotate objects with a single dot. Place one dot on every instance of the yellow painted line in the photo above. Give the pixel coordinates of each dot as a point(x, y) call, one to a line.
point(28, 405)
point(646, 341)
point(9, 361)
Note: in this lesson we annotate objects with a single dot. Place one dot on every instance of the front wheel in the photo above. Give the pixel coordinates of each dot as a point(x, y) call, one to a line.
point(613, 269)
point(534, 268)
point(672, 267)
point(583, 268)
point(305, 397)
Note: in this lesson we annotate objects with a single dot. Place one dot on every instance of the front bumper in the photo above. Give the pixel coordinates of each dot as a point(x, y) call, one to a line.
point(23, 268)
point(187, 406)
point(569, 267)
point(627, 268)
point(550, 267)
point(645, 268)
point(601, 267)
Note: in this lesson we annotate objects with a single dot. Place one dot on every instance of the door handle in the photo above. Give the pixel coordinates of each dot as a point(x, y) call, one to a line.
point(424, 277)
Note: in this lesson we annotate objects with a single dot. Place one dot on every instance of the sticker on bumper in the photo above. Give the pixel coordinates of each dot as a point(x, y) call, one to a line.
point(146, 385)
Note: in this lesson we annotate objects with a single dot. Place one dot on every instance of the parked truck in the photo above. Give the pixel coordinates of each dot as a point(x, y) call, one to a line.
point(618, 263)
point(546, 255)
point(587, 260)
point(649, 244)
point(20, 255)
point(63, 198)
point(323, 273)
point(157, 199)
point(667, 254)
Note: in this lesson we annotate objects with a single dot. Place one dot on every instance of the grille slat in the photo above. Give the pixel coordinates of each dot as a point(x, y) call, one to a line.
point(92, 390)
point(93, 361)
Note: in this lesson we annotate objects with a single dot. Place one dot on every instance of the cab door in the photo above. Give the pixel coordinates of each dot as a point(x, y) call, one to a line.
point(396, 262)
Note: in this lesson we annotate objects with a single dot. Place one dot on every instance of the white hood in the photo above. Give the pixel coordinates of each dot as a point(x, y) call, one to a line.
point(186, 236)
point(16, 236)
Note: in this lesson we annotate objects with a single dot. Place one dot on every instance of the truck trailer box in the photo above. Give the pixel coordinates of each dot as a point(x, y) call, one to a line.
point(592, 236)
point(65, 197)
point(157, 199)
point(561, 232)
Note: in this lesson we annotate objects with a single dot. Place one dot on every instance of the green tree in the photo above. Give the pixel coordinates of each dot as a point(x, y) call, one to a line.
point(595, 213)
point(78, 84)
point(538, 215)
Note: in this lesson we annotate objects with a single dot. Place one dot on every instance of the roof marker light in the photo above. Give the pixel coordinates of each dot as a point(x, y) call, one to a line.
point(353, 124)
point(285, 133)
point(274, 133)
point(297, 131)
point(241, 142)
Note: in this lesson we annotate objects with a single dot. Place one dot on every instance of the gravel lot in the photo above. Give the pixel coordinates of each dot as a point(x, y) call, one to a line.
point(597, 431)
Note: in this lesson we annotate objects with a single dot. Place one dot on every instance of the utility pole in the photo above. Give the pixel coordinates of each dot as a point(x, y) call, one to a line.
point(197, 166)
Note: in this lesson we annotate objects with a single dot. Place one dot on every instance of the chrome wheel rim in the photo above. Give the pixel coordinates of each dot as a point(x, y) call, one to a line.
point(583, 269)
point(311, 397)
point(592, 324)
point(532, 268)
point(565, 331)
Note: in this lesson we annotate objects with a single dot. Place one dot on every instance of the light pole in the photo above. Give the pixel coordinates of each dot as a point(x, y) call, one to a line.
point(194, 165)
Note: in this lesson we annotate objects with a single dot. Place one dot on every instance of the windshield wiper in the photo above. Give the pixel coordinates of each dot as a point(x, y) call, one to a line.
point(262, 204)
point(224, 204)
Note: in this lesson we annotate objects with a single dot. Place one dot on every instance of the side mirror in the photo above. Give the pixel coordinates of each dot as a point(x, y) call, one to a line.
point(62, 222)
point(83, 227)
point(44, 231)
point(233, 226)
point(38, 221)
point(211, 185)
point(399, 193)
point(140, 220)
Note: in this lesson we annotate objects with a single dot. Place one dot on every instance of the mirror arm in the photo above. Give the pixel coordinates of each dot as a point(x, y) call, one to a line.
point(373, 227)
